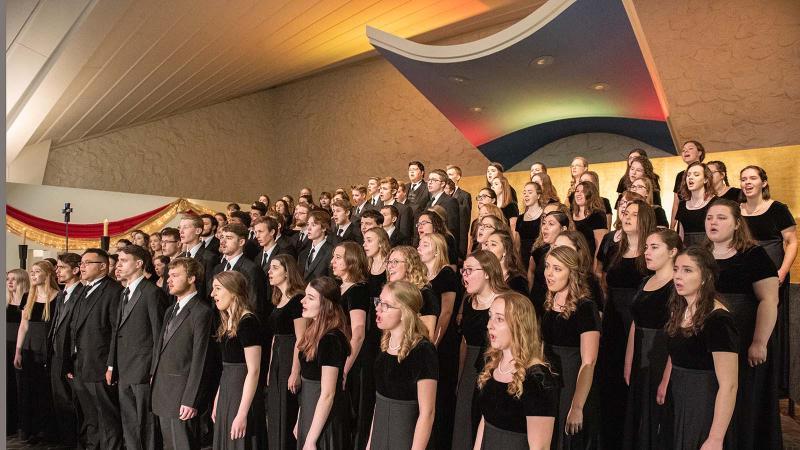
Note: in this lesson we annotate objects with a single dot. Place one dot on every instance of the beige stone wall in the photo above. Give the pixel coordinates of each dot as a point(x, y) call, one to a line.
point(730, 69)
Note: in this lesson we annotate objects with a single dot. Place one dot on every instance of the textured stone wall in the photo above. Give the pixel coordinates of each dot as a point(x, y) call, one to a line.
point(730, 69)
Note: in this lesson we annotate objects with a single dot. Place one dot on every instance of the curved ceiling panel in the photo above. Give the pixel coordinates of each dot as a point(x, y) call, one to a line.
point(572, 66)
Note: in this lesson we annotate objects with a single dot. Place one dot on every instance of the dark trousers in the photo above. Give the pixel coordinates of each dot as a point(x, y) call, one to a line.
point(64, 408)
point(138, 422)
point(100, 410)
point(180, 434)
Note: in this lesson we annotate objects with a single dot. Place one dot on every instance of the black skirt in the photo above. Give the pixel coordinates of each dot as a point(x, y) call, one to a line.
point(448, 352)
point(464, 426)
point(496, 438)
point(231, 384)
point(35, 401)
point(693, 238)
point(281, 403)
point(648, 424)
point(335, 434)
point(782, 356)
point(756, 421)
point(394, 423)
point(360, 390)
point(693, 395)
point(568, 362)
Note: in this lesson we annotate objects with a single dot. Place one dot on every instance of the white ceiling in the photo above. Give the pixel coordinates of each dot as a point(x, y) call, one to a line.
point(80, 68)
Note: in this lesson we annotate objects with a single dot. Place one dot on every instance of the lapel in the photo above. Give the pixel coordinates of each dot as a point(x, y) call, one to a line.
point(137, 294)
point(178, 321)
point(89, 301)
point(318, 257)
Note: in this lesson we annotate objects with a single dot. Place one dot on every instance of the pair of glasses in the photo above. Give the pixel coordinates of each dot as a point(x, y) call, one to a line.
point(482, 196)
point(86, 263)
point(394, 262)
point(422, 223)
point(383, 306)
point(484, 226)
point(467, 271)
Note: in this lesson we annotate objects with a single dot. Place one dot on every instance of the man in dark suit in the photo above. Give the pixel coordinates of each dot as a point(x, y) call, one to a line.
point(396, 235)
point(315, 261)
point(141, 316)
point(91, 326)
point(179, 359)
point(68, 273)
point(373, 195)
point(208, 235)
point(171, 248)
point(251, 247)
point(405, 219)
point(345, 230)
point(359, 196)
point(464, 200)
point(416, 189)
point(299, 240)
point(436, 181)
point(190, 229)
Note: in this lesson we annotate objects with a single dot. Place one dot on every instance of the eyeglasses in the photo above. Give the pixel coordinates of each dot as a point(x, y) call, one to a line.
point(484, 226)
point(434, 180)
point(394, 262)
point(86, 263)
point(482, 196)
point(383, 306)
point(638, 188)
point(467, 271)
point(423, 223)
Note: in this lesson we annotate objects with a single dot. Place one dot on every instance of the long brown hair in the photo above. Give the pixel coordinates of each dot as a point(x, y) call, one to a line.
point(330, 317)
point(742, 239)
point(235, 283)
point(708, 186)
point(564, 219)
point(293, 278)
point(50, 287)
point(355, 261)
point(491, 268)
point(645, 224)
point(409, 302)
point(761, 174)
point(538, 188)
point(705, 297)
point(577, 286)
point(649, 172)
point(582, 247)
point(526, 342)
point(512, 259)
point(506, 190)
point(594, 203)
point(384, 246)
point(548, 190)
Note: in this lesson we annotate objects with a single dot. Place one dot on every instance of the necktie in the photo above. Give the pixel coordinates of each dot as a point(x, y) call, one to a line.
point(125, 300)
point(187, 254)
point(227, 266)
point(171, 319)
point(264, 259)
point(310, 258)
point(340, 233)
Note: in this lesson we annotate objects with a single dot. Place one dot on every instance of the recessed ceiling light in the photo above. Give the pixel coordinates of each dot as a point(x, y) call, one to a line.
point(457, 79)
point(600, 87)
point(476, 109)
point(542, 61)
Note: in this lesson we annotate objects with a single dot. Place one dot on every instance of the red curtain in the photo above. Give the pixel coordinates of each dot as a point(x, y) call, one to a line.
point(83, 230)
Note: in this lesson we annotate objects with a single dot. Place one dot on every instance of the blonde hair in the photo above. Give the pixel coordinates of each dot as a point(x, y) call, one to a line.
point(23, 283)
point(409, 302)
point(384, 246)
point(440, 258)
point(416, 272)
point(50, 287)
point(526, 342)
point(577, 287)
point(235, 283)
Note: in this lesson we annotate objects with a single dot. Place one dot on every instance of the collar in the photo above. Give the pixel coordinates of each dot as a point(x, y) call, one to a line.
point(134, 284)
point(435, 197)
point(390, 230)
point(268, 250)
point(193, 251)
point(95, 282)
point(68, 290)
point(183, 301)
point(316, 247)
point(344, 227)
point(389, 202)
point(233, 260)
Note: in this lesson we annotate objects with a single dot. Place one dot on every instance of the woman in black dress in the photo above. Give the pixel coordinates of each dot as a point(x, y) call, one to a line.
point(647, 424)
point(589, 215)
point(592, 177)
point(35, 401)
point(406, 373)
point(17, 286)
point(238, 420)
point(691, 152)
point(486, 200)
point(696, 195)
point(644, 187)
point(446, 284)
point(483, 281)
point(553, 223)
point(571, 336)
point(322, 421)
point(433, 222)
point(518, 392)
point(625, 270)
point(719, 181)
point(502, 245)
point(748, 283)
point(505, 202)
point(349, 264)
point(287, 325)
point(772, 226)
point(575, 240)
point(549, 191)
point(529, 222)
point(624, 181)
point(377, 249)
point(404, 264)
point(495, 170)
point(702, 342)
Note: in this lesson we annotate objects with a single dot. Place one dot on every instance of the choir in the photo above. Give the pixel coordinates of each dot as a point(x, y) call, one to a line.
point(382, 318)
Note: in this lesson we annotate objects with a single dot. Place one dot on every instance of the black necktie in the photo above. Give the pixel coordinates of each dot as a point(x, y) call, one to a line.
point(60, 306)
point(264, 259)
point(310, 258)
point(227, 266)
point(171, 319)
point(187, 254)
point(340, 233)
point(125, 300)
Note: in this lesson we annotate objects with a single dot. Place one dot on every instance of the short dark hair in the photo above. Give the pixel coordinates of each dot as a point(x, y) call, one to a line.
point(321, 217)
point(308, 198)
point(138, 253)
point(544, 167)
point(125, 241)
point(392, 209)
point(439, 172)
point(192, 267)
point(243, 216)
point(360, 188)
point(373, 214)
point(271, 222)
point(234, 206)
point(212, 219)
point(450, 183)
point(197, 222)
point(99, 252)
point(236, 228)
point(341, 204)
point(171, 232)
point(73, 260)
point(418, 164)
point(261, 207)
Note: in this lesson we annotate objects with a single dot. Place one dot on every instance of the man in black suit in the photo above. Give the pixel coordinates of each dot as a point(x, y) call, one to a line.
point(359, 196)
point(190, 229)
point(416, 189)
point(267, 229)
point(251, 247)
point(345, 230)
point(373, 194)
point(464, 200)
point(405, 218)
point(92, 324)
point(299, 240)
point(68, 273)
point(315, 260)
point(208, 235)
point(396, 235)
point(171, 248)
point(179, 359)
point(141, 316)
point(436, 182)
